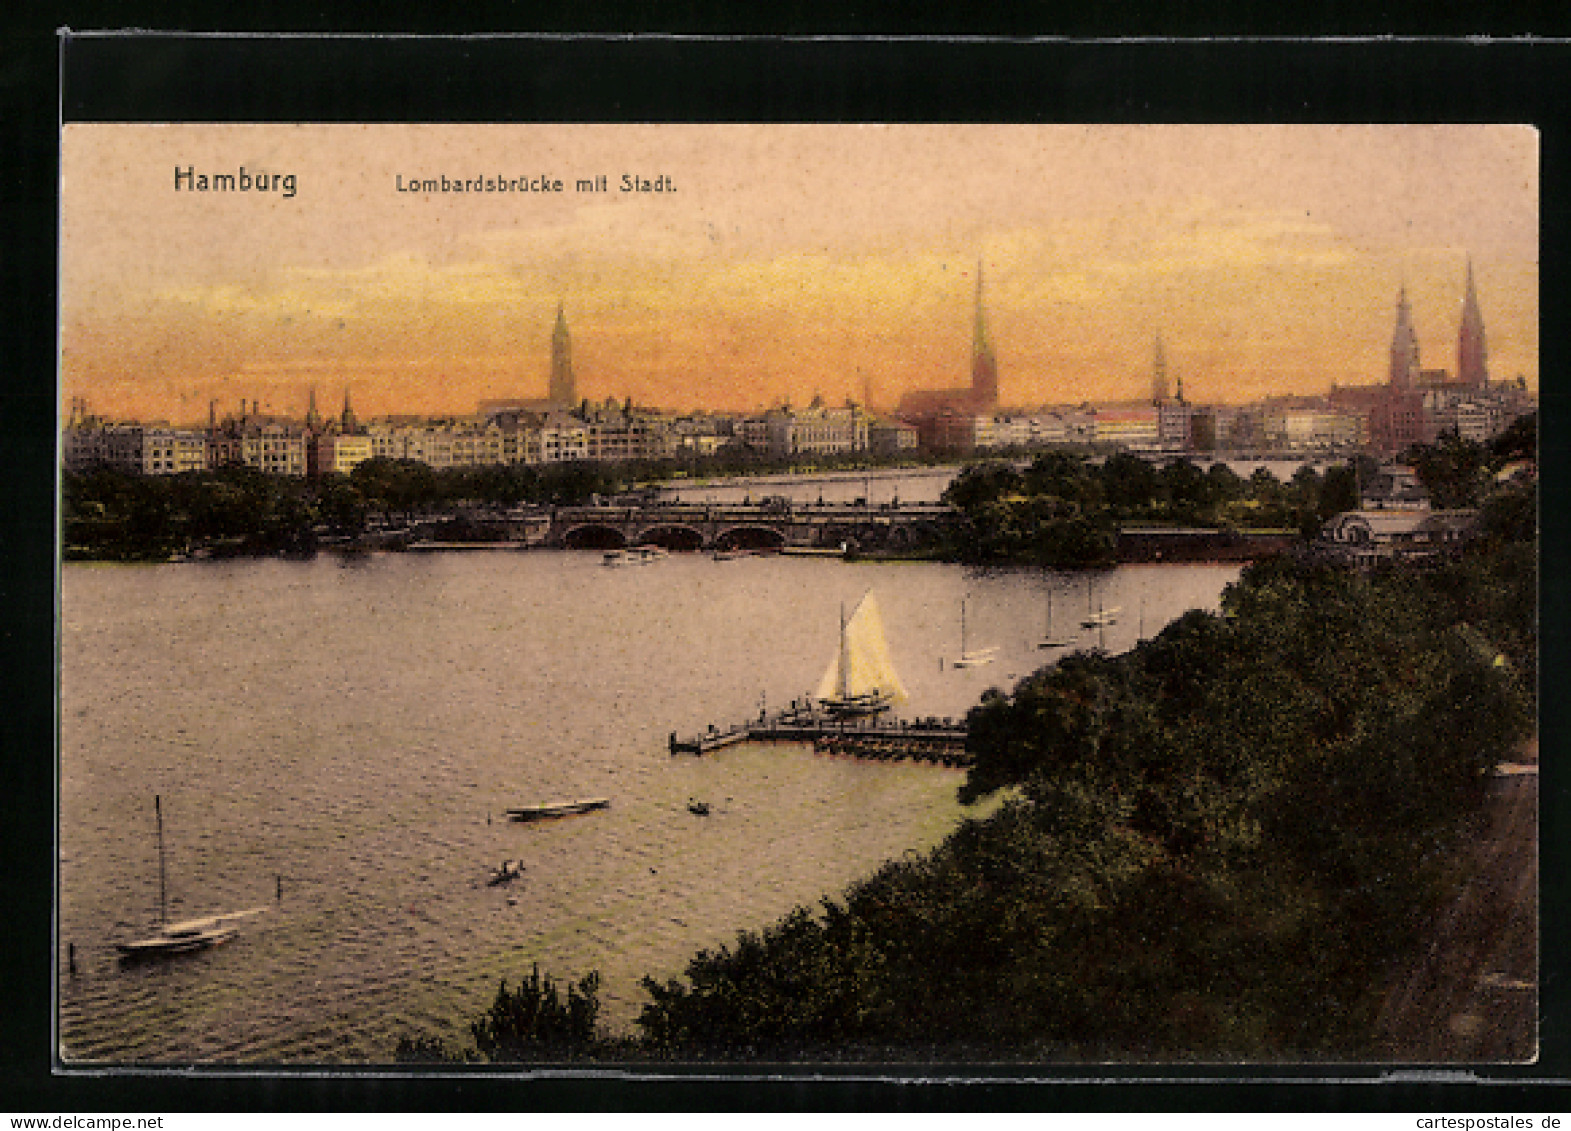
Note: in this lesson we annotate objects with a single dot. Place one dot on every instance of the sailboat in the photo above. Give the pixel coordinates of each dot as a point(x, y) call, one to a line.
point(970, 658)
point(1049, 640)
point(861, 679)
point(187, 935)
point(1101, 617)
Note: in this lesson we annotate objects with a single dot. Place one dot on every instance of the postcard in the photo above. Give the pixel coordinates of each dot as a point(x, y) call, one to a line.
point(914, 594)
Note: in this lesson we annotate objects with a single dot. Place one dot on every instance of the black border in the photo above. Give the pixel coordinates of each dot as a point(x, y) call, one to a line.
point(685, 77)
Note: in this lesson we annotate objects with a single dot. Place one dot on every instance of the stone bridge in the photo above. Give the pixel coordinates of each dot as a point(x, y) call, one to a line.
point(749, 526)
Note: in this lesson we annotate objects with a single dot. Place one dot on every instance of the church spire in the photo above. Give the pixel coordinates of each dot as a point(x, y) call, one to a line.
point(984, 367)
point(1159, 390)
point(347, 422)
point(1404, 345)
point(562, 391)
point(1472, 356)
point(979, 337)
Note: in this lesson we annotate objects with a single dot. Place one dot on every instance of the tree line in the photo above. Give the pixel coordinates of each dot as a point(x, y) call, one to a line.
point(1059, 510)
point(1064, 511)
point(115, 515)
point(1222, 844)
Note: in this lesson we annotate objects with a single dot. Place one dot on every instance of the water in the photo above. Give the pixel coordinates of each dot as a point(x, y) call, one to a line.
point(908, 485)
point(356, 727)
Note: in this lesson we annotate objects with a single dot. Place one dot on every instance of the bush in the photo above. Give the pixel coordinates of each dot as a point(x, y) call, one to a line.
point(533, 1022)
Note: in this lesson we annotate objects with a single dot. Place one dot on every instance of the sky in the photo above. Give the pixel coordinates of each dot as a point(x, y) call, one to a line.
point(789, 261)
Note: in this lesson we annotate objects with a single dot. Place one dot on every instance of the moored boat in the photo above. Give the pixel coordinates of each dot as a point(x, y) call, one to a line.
point(180, 938)
point(1049, 640)
point(861, 679)
point(558, 809)
point(1102, 617)
point(971, 657)
point(187, 935)
point(634, 555)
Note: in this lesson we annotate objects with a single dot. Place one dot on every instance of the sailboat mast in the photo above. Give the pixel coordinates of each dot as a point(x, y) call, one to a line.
point(845, 656)
point(158, 814)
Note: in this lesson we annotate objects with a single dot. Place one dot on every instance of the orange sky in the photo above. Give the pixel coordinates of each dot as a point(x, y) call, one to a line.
point(791, 260)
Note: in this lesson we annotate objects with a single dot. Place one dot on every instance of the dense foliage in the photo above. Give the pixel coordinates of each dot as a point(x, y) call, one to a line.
point(1219, 845)
point(1064, 511)
point(535, 1022)
point(113, 515)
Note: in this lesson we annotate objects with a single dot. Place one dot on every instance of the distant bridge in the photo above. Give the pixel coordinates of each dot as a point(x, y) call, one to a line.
point(771, 525)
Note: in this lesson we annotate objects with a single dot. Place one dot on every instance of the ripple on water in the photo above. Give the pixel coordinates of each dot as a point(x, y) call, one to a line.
point(357, 734)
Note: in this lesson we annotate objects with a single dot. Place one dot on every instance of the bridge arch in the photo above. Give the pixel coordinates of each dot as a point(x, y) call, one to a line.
point(672, 536)
point(750, 537)
point(594, 536)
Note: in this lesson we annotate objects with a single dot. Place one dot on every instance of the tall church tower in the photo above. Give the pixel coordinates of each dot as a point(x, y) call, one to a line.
point(1472, 358)
point(347, 422)
point(1159, 387)
point(1404, 346)
point(562, 391)
point(984, 367)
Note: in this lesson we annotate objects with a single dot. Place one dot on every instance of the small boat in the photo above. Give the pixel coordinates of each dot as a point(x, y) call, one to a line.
point(187, 935)
point(814, 551)
point(634, 555)
point(558, 809)
point(1101, 617)
point(698, 808)
point(861, 679)
point(181, 938)
point(506, 872)
point(732, 555)
point(1049, 640)
point(971, 657)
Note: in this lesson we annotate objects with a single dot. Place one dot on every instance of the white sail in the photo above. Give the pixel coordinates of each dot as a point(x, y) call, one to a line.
point(862, 666)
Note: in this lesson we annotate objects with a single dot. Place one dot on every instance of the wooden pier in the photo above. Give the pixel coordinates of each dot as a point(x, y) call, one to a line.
point(936, 740)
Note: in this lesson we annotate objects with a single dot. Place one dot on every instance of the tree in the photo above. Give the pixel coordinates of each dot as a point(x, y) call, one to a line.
point(340, 503)
point(1188, 489)
point(1518, 441)
point(534, 1021)
point(1338, 492)
point(1454, 471)
point(396, 485)
point(1128, 482)
point(1226, 486)
point(1062, 475)
point(979, 484)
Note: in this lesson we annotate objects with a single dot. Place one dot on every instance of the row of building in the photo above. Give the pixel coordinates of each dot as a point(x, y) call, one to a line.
point(498, 436)
point(620, 433)
point(1414, 405)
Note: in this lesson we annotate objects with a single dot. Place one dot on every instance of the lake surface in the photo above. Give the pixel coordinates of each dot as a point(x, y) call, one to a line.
point(354, 728)
point(906, 485)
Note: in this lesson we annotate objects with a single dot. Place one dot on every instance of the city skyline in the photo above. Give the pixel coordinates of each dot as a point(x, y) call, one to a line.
point(789, 262)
